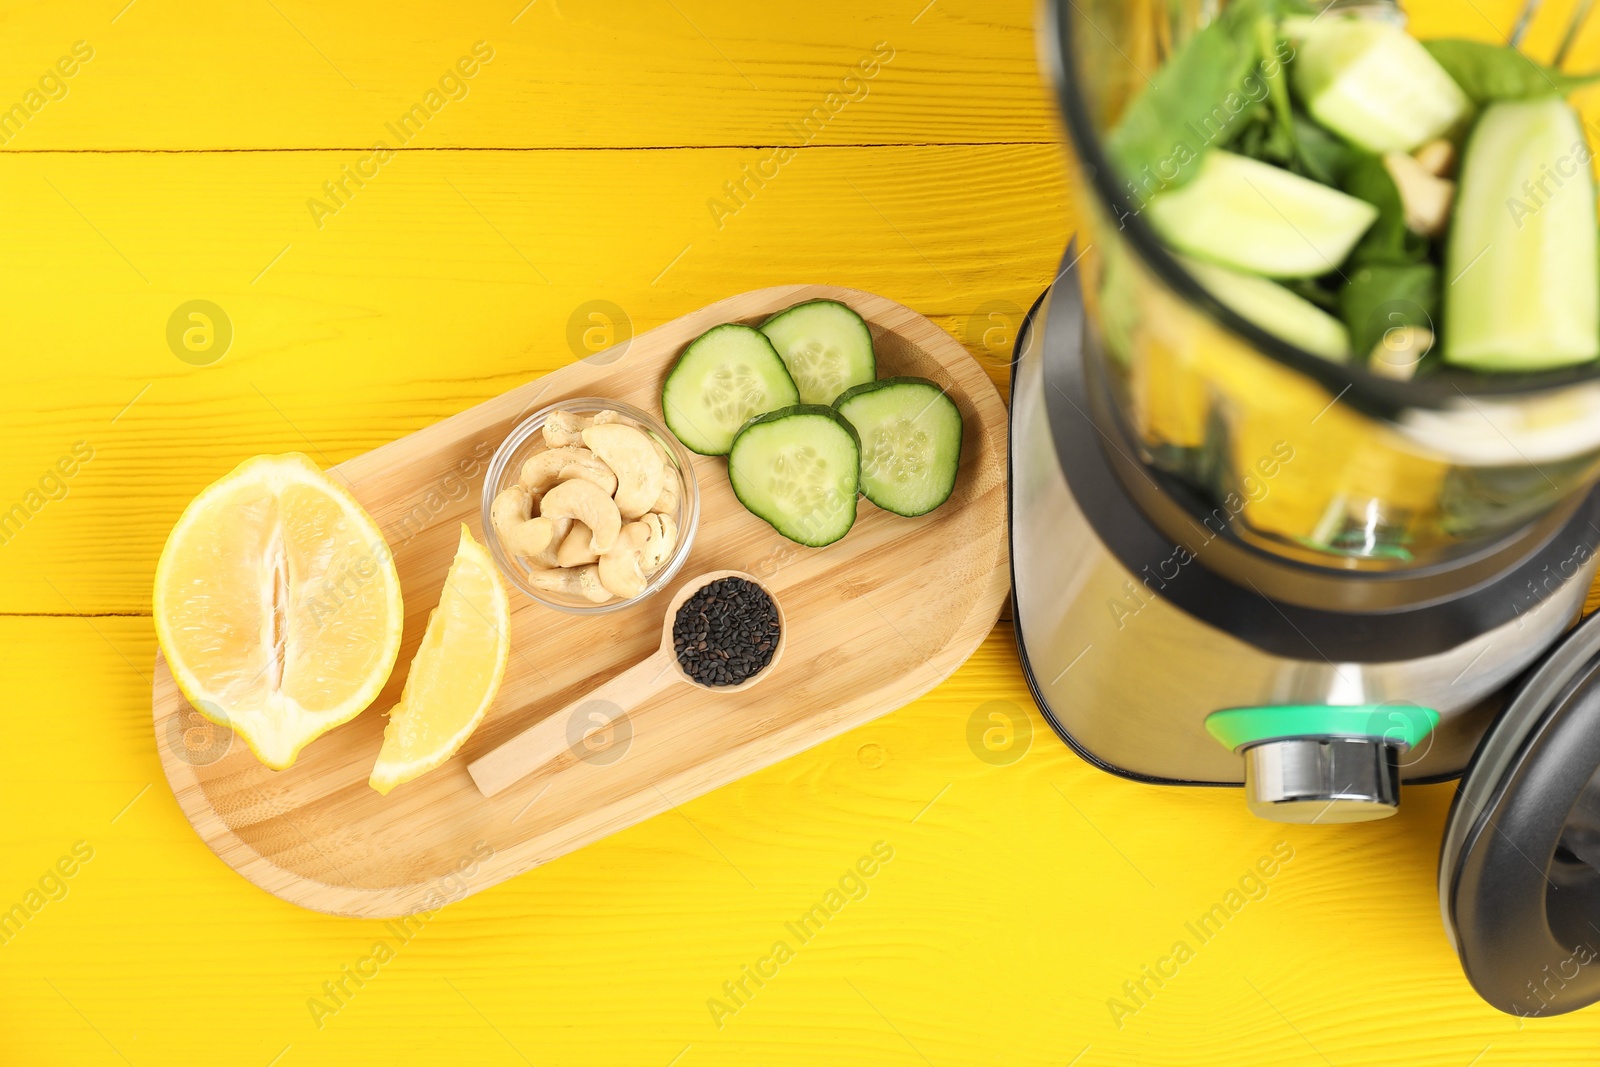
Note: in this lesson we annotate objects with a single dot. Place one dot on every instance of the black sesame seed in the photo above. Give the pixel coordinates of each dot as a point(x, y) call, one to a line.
point(726, 632)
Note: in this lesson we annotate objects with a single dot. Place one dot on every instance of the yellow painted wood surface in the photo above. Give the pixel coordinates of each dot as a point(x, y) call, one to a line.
point(559, 74)
point(1020, 896)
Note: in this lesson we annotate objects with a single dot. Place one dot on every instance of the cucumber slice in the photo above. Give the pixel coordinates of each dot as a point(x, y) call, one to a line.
point(1255, 217)
point(910, 442)
point(725, 376)
point(799, 469)
point(1276, 310)
point(1374, 84)
point(1525, 291)
point(826, 346)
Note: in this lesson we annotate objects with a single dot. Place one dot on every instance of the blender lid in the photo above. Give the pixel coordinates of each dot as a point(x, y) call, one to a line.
point(1519, 869)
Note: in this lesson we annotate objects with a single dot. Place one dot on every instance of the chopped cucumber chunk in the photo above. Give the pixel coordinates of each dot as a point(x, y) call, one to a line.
point(1374, 84)
point(799, 469)
point(725, 376)
point(1276, 310)
point(910, 435)
point(826, 346)
point(1259, 218)
point(1524, 290)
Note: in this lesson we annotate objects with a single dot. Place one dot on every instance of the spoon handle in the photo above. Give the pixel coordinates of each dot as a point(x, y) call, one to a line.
point(563, 738)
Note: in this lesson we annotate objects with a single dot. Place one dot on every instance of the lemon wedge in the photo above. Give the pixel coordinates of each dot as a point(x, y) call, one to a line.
point(455, 673)
point(277, 605)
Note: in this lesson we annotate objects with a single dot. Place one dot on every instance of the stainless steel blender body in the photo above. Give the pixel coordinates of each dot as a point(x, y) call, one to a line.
point(1129, 677)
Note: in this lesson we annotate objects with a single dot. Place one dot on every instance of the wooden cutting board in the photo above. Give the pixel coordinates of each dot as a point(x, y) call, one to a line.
point(873, 621)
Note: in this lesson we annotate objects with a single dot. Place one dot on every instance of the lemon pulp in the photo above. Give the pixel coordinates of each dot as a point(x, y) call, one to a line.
point(277, 605)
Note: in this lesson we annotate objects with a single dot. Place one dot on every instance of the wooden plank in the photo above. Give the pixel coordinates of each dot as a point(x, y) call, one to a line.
point(561, 73)
point(426, 295)
point(871, 623)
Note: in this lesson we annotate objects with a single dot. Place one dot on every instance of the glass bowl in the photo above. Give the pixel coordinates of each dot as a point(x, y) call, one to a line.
point(527, 439)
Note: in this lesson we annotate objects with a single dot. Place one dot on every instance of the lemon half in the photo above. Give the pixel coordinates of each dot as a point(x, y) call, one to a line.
point(277, 605)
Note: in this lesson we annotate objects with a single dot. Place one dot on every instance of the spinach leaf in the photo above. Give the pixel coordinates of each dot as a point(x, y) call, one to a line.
point(1302, 147)
point(1202, 96)
point(1262, 137)
point(1388, 241)
point(1277, 81)
point(1161, 136)
point(1254, 139)
point(1319, 155)
point(1492, 72)
point(1384, 296)
point(1313, 290)
point(1389, 281)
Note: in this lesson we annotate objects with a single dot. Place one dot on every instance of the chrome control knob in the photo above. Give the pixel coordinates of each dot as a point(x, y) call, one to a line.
point(1323, 779)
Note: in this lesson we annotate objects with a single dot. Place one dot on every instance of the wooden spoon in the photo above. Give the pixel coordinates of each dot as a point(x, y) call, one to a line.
point(547, 741)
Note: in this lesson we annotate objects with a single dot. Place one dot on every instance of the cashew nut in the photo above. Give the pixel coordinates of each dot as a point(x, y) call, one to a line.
point(511, 506)
point(662, 539)
point(577, 548)
point(620, 569)
point(671, 492)
point(511, 515)
point(671, 483)
point(573, 581)
point(1398, 352)
point(589, 504)
point(564, 428)
point(1438, 158)
point(546, 558)
point(632, 457)
point(531, 538)
point(527, 538)
point(544, 469)
point(1424, 196)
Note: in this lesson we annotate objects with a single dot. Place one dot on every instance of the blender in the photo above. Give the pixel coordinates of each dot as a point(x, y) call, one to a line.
point(1239, 563)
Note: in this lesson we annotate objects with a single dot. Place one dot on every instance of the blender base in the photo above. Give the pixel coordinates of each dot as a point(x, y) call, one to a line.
point(1127, 677)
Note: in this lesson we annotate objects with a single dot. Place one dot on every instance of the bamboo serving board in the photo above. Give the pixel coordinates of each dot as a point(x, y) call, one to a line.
point(872, 622)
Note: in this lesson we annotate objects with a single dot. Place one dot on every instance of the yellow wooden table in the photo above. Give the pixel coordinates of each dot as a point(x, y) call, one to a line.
point(593, 162)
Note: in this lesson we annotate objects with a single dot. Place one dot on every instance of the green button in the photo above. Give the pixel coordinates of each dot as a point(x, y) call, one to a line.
point(1402, 724)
